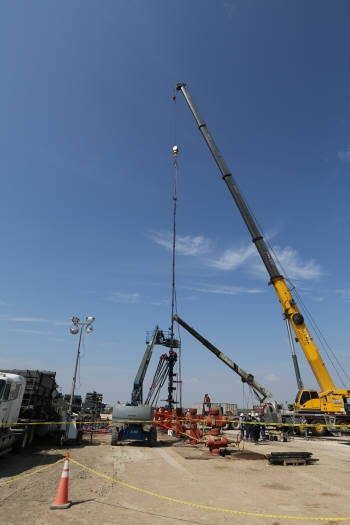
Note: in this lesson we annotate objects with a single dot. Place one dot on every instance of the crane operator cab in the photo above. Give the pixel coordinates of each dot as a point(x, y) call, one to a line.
point(312, 401)
point(307, 400)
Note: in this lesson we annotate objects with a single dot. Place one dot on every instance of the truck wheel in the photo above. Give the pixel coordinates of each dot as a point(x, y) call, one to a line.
point(79, 438)
point(152, 437)
point(235, 424)
point(26, 438)
point(32, 434)
point(61, 437)
point(318, 430)
point(114, 437)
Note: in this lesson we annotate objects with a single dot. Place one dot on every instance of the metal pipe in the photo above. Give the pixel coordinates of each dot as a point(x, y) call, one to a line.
point(70, 409)
point(294, 357)
point(246, 378)
point(232, 186)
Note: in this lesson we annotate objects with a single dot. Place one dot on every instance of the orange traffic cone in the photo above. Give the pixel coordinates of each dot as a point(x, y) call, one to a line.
point(61, 501)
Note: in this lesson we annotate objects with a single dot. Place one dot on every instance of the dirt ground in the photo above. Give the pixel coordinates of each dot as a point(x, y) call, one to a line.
point(243, 481)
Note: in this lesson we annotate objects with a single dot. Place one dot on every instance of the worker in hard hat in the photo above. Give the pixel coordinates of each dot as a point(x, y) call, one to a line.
point(241, 425)
point(248, 427)
point(256, 430)
point(262, 427)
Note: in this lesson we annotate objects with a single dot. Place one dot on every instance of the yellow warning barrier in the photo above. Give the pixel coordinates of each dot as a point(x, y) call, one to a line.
point(342, 426)
point(205, 507)
point(176, 500)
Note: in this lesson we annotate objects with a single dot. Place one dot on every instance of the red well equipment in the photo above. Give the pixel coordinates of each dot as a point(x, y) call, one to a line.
point(193, 433)
point(161, 417)
point(179, 423)
point(215, 443)
point(156, 417)
point(215, 420)
point(169, 419)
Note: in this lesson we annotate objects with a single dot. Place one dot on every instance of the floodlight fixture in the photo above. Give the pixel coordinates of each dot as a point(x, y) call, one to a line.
point(78, 328)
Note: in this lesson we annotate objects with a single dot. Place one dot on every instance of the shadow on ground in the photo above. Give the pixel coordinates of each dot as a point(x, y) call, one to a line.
point(160, 443)
point(14, 464)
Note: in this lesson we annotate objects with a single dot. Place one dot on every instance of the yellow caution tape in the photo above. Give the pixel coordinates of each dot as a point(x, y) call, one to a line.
point(198, 421)
point(175, 500)
point(12, 480)
point(205, 507)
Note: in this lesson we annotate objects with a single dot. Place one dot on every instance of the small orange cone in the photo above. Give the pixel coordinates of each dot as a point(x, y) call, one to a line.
point(61, 501)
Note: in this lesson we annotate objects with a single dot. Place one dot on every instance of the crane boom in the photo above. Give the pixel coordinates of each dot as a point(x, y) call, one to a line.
point(290, 309)
point(261, 393)
point(137, 393)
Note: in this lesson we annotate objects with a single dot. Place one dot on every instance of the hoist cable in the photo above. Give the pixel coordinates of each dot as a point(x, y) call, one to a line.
point(321, 338)
point(325, 345)
point(179, 360)
point(173, 284)
point(158, 379)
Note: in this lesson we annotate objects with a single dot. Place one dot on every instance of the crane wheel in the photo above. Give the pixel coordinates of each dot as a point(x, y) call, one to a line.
point(114, 437)
point(319, 429)
point(235, 424)
point(152, 437)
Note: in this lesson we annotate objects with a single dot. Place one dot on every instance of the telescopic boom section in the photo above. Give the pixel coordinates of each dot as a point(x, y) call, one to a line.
point(137, 393)
point(289, 306)
point(260, 392)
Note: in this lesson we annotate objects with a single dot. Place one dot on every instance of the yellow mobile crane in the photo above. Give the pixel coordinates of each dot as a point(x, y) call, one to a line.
point(331, 403)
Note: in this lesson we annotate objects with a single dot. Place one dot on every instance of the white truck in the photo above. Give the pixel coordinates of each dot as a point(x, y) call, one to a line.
point(11, 395)
point(30, 407)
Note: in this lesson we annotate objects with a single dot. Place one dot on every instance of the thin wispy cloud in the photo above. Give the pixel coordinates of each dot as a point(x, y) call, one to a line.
point(230, 8)
point(344, 155)
point(121, 297)
point(190, 380)
point(63, 323)
point(344, 293)
point(295, 267)
point(226, 290)
point(185, 244)
point(159, 303)
point(248, 257)
point(232, 259)
point(23, 319)
point(36, 332)
point(273, 378)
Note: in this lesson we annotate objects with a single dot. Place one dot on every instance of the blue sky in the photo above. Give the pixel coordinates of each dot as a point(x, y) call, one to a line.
point(85, 204)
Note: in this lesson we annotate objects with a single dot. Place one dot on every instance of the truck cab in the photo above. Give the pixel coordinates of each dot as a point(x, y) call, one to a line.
point(307, 400)
point(326, 402)
point(11, 394)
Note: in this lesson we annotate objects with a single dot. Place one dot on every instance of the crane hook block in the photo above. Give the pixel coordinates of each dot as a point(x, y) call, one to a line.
point(175, 151)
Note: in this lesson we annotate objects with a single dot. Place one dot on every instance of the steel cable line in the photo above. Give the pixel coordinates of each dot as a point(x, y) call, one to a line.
point(320, 336)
